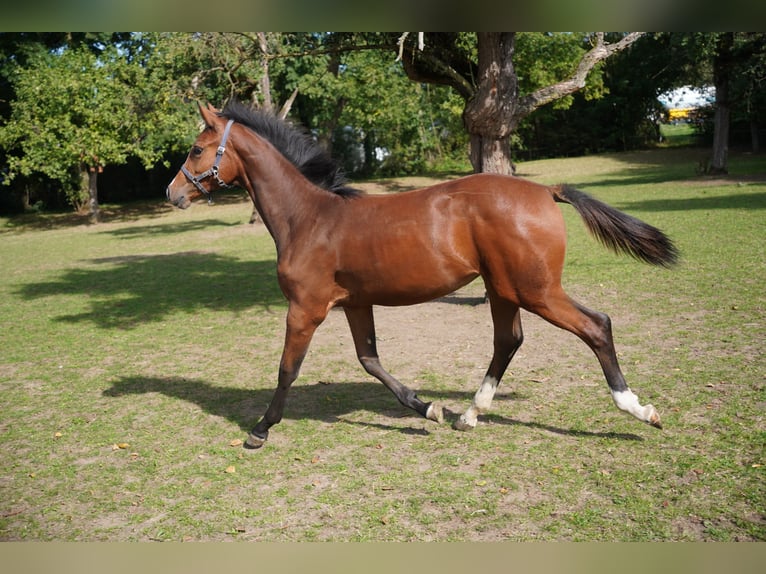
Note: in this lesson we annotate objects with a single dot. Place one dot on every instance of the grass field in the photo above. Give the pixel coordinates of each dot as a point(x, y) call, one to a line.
point(136, 354)
point(679, 135)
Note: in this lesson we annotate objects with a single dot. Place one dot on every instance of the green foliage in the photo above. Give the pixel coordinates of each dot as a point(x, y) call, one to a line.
point(208, 66)
point(65, 115)
point(409, 133)
point(76, 110)
point(627, 114)
point(542, 59)
point(360, 101)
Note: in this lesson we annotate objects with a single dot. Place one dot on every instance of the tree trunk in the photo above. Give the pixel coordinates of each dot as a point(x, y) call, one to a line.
point(489, 155)
point(26, 206)
point(720, 156)
point(94, 211)
point(754, 139)
point(489, 115)
point(265, 80)
point(721, 75)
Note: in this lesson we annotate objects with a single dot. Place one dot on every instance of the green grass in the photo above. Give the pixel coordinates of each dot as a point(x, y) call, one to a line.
point(163, 332)
point(678, 135)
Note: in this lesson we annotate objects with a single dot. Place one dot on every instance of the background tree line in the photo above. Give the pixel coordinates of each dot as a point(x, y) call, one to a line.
point(96, 116)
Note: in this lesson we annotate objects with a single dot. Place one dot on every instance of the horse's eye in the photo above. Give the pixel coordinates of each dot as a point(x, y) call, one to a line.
point(196, 150)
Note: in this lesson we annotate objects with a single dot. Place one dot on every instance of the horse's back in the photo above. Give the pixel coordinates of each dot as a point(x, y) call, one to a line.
point(466, 211)
point(486, 190)
point(512, 207)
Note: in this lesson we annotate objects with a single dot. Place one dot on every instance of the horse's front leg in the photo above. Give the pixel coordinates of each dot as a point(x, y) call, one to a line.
point(301, 326)
point(508, 338)
point(362, 324)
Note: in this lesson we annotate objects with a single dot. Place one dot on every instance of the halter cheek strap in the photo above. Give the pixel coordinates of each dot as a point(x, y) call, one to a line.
point(213, 171)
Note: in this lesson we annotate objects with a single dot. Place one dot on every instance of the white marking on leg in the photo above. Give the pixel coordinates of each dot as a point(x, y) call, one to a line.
point(482, 400)
point(627, 401)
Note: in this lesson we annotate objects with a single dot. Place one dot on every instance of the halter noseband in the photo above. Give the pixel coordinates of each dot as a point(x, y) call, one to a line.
point(213, 171)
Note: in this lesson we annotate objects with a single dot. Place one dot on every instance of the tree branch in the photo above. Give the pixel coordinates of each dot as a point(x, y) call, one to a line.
point(432, 70)
point(288, 104)
point(600, 52)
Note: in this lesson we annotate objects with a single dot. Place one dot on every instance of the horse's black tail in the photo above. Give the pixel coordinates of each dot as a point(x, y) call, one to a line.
point(619, 231)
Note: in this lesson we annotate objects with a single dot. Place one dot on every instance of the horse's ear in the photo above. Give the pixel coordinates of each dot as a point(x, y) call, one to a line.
point(209, 114)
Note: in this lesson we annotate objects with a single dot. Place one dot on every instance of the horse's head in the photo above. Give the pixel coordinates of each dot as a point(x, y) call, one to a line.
point(205, 168)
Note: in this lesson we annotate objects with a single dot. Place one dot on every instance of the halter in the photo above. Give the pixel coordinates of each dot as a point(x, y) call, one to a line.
point(213, 170)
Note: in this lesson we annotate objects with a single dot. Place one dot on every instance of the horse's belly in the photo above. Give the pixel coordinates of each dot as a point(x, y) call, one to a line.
point(407, 286)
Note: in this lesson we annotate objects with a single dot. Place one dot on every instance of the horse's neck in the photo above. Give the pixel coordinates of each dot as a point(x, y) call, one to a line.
point(284, 198)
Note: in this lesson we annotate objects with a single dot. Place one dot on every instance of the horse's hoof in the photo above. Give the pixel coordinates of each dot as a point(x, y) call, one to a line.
point(654, 418)
point(254, 441)
point(463, 425)
point(435, 413)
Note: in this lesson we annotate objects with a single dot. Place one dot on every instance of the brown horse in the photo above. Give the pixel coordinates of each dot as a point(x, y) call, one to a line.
point(338, 246)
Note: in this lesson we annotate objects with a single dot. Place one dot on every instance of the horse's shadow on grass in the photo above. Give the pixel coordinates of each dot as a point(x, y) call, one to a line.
point(126, 291)
point(325, 402)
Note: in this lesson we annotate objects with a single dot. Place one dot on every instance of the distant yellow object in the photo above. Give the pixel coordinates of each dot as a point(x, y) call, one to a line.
point(675, 114)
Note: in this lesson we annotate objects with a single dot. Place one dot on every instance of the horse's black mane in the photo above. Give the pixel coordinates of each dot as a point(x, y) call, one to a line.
point(295, 144)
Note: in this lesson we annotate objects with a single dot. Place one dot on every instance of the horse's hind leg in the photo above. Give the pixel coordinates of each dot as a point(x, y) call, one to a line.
point(508, 338)
point(596, 330)
point(362, 324)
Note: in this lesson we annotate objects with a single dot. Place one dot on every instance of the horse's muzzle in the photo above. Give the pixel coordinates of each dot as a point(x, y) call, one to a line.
point(181, 201)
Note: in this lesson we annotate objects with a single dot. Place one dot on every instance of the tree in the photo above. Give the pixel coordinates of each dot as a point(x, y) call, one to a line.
point(735, 64)
point(749, 84)
point(344, 87)
point(739, 67)
point(620, 112)
point(479, 67)
point(494, 105)
point(76, 111)
point(387, 124)
point(722, 68)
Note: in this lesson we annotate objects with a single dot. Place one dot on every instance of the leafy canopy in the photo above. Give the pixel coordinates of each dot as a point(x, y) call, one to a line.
point(75, 109)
